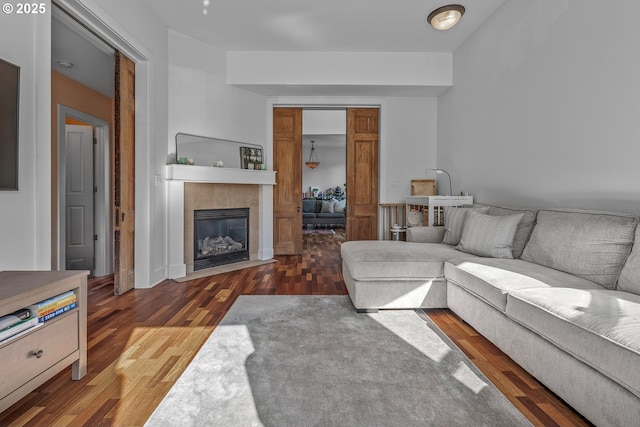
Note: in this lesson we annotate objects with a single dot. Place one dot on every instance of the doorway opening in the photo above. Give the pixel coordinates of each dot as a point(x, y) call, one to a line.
point(84, 229)
point(324, 196)
point(132, 70)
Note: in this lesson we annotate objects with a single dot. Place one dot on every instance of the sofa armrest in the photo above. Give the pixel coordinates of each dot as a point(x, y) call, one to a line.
point(425, 234)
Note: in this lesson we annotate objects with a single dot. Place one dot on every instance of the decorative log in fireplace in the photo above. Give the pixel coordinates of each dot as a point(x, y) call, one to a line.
point(221, 236)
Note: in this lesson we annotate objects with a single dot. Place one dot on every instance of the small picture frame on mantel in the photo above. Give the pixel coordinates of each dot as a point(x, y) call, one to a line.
point(251, 158)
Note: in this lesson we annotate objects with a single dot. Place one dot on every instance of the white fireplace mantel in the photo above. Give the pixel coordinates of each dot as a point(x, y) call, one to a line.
point(177, 175)
point(212, 174)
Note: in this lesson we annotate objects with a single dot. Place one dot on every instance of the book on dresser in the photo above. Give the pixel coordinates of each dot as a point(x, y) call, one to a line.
point(14, 318)
point(16, 328)
point(56, 312)
point(52, 307)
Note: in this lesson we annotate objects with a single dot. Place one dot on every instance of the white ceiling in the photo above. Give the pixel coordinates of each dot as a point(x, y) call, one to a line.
point(327, 25)
point(281, 25)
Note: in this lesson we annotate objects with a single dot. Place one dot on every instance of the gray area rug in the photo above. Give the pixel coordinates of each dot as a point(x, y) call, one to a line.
point(314, 361)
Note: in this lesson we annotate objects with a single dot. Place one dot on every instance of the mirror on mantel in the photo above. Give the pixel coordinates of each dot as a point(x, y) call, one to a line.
point(206, 151)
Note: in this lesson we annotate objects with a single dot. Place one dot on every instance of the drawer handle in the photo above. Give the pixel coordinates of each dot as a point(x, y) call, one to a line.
point(38, 354)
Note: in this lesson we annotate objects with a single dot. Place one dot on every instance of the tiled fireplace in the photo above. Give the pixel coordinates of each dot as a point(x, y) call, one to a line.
point(200, 197)
point(200, 188)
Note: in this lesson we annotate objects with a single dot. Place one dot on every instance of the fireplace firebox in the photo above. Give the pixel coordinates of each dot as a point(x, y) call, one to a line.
point(221, 236)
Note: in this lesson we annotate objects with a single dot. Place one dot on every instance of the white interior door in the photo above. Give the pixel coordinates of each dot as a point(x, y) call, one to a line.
point(79, 246)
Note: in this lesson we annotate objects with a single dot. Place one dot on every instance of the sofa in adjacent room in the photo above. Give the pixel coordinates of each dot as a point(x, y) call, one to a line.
point(556, 290)
point(323, 212)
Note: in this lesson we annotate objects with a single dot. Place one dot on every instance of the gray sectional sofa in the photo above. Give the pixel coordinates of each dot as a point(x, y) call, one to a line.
point(556, 290)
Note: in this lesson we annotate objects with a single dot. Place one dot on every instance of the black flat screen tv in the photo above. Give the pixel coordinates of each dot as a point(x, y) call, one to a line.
point(9, 107)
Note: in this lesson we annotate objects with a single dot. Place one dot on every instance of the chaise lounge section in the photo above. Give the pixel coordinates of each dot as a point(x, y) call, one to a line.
point(564, 304)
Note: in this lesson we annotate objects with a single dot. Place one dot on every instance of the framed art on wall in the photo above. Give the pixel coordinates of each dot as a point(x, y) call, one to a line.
point(251, 158)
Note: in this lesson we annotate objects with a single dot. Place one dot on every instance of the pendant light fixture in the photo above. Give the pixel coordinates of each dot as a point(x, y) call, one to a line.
point(313, 161)
point(445, 17)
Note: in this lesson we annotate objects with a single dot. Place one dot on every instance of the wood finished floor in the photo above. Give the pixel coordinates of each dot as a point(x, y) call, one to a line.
point(139, 344)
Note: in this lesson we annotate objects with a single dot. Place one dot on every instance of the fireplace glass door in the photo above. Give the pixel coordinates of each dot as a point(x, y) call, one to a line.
point(221, 236)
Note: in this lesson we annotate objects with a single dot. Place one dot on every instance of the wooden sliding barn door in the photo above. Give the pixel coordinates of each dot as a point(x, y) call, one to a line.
point(362, 173)
point(287, 193)
point(124, 175)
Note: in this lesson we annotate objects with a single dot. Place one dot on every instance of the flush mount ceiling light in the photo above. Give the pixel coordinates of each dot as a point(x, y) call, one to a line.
point(445, 17)
point(65, 64)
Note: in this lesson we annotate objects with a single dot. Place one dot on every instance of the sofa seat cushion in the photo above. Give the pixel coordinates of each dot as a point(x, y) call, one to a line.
point(391, 260)
point(330, 215)
point(308, 215)
point(600, 327)
point(491, 279)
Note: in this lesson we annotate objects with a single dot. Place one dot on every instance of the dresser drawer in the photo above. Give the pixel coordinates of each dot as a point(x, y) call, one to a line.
point(55, 340)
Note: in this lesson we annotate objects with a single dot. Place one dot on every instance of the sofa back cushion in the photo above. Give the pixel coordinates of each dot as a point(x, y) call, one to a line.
point(525, 226)
point(629, 280)
point(309, 206)
point(591, 245)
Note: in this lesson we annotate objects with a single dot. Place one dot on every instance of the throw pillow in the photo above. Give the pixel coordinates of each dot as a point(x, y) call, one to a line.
point(339, 206)
point(327, 206)
point(524, 228)
point(454, 218)
point(489, 236)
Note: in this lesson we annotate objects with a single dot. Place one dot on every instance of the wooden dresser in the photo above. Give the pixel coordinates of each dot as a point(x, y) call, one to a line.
point(31, 358)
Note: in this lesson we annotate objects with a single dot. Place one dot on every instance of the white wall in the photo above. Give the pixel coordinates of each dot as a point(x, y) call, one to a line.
point(202, 103)
point(411, 144)
point(147, 37)
point(544, 107)
point(324, 122)
point(340, 68)
point(26, 214)
point(332, 171)
point(200, 100)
